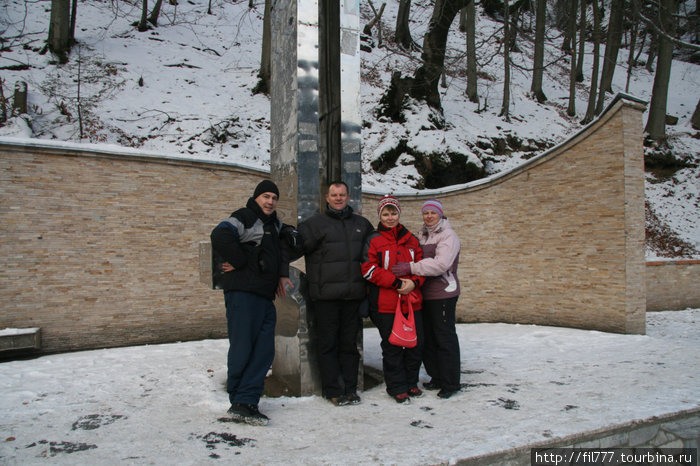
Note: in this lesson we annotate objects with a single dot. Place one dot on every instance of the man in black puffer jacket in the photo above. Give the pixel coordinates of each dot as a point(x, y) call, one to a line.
point(254, 267)
point(333, 246)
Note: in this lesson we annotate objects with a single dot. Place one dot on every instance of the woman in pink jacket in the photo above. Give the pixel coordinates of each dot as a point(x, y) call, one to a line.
point(441, 247)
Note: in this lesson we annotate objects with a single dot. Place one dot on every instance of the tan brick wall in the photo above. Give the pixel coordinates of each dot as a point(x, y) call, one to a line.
point(101, 250)
point(560, 241)
point(673, 285)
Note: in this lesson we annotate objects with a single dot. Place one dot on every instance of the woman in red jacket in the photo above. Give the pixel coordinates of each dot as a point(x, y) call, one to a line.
point(391, 244)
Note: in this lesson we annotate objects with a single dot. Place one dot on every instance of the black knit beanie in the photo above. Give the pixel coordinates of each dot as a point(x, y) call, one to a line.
point(266, 186)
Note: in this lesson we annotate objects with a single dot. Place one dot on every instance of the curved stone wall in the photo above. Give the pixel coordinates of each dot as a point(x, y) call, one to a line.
point(101, 249)
point(559, 240)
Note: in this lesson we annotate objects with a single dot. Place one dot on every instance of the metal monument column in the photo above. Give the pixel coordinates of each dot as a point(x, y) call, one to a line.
point(315, 139)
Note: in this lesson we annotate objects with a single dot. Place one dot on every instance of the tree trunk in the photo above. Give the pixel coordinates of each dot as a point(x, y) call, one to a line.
point(377, 18)
point(612, 46)
point(463, 20)
point(633, 41)
point(695, 120)
point(573, 8)
point(581, 43)
point(367, 30)
point(538, 61)
point(265, 73)
point(3, 103)
point(568, 42)
point(403, 33)
point(590, 110)
point(59, 28)
point(561, 14)
point(641, 45)
point(697, 28)
point(427, 76)
point(505, 108)
point(656, 123)
point(153, 19)
point(73, 13)
point(19, 102)
point(470, 28)
point(144, 17)
point(653, 49)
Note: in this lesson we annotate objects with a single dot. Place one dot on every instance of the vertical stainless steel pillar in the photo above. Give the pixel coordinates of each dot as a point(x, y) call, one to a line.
point(350, 112)
point(315, 139)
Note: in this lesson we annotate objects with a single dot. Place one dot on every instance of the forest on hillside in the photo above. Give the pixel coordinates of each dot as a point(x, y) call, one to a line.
point(658, 27)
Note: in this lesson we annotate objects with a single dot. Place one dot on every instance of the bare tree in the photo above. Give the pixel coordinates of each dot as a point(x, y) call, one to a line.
point(3, 103)
point(674, 40)
point(59, 41)
point(142, 26)
point(505, 108)
point(425, 81)
point(633, 40)
point(581, 42)
point(590, 110)
point(653, 49)
point(563, 8)
point(470, 29)
point(695, 119)
point(573, 7)
point(641, 44)
point(78, 101)
point(153, 18)
point(19, 99)
point(265, 73)
point(612, 46)
point(538, 61)
point(656, 123)
point(695, 22)
point(377, 20)
point(403, 33)
point(73, 14)
point(427, 77)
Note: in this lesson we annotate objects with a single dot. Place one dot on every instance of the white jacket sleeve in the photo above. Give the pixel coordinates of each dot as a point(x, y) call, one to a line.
point(445, 254)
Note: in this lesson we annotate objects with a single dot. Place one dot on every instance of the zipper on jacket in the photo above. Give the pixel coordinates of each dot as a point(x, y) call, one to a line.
point(348, 247)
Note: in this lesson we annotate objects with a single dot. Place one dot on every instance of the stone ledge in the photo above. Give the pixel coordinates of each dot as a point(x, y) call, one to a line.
point(15, 339)
point(674, 430)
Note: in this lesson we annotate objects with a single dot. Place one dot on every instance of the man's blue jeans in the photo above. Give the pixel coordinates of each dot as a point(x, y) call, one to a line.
point(251, 334)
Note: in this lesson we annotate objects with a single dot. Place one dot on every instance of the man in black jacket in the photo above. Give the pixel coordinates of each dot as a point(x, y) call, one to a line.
point(333, 245)
point(248, 247)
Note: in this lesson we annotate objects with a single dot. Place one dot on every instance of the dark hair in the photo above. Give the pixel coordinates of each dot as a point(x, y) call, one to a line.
point(339, 182)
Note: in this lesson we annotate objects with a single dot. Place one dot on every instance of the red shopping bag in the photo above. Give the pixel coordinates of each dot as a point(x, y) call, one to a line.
point(404, 331)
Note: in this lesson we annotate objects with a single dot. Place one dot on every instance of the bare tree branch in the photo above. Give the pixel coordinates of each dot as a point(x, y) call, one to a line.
point(675, 40)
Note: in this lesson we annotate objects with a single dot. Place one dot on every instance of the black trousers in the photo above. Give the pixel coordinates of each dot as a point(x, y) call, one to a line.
point(441, 355)
point(337, 328)
point(401, 366)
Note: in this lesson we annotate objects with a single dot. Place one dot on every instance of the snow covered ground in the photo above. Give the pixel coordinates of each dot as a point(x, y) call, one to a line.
point(184, 90)
point(162, 404)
